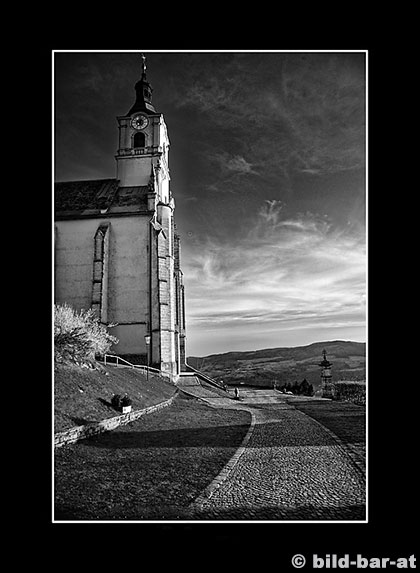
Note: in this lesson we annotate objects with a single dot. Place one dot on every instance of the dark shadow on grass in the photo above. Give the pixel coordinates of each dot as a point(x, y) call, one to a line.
point(106, 403)
point(219, 436)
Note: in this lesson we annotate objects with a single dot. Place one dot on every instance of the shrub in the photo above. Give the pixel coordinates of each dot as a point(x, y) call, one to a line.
point(126, 400)
point(299, 388)
point(79, 335)
point(350, 391)
point(118, 401)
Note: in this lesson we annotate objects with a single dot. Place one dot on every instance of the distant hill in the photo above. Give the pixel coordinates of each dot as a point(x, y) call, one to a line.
point(263, 367)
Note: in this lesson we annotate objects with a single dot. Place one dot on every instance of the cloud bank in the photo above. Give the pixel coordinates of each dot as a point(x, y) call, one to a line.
point(286, 275)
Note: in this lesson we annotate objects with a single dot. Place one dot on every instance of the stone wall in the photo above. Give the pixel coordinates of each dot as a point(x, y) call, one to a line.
point(81, 432)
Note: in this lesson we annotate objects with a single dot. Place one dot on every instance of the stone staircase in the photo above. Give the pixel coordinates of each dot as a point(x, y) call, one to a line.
point(193, 372)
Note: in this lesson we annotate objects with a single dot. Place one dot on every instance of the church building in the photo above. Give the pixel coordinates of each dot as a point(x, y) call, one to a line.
point(116, 249)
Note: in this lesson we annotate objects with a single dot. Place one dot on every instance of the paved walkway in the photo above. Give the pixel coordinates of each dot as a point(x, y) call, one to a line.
point(289, 466)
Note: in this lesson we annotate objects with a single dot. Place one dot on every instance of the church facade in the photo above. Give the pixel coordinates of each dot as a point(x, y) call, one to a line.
point(116, 249)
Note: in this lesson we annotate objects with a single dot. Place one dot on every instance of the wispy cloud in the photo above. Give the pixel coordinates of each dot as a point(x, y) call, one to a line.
point(238, 164)
point(298, 113)
point(285, 274)
point(231, 164)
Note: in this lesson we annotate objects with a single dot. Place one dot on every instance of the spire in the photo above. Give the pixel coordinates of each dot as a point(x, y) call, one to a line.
point(325, 363)
point(143, 67)
point(143, 92)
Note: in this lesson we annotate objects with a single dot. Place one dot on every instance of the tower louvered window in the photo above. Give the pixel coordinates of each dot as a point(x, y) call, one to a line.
point(139, 140)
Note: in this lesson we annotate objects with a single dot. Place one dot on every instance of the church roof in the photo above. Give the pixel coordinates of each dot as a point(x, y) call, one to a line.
point(77, 199)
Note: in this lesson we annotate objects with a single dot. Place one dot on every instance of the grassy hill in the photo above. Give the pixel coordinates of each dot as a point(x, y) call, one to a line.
point(263, 367)
point(82, 395)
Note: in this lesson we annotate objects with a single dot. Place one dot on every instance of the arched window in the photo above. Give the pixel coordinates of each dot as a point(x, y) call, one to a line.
point(139, 140)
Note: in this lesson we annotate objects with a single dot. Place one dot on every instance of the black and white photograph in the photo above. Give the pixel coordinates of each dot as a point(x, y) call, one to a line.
point(210, 287)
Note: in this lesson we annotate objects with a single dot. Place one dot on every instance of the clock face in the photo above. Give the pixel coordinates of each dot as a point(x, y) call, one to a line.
point(140, 121)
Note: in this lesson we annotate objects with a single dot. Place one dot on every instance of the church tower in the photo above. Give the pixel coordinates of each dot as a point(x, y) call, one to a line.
point(116, 247)
point(143, 142)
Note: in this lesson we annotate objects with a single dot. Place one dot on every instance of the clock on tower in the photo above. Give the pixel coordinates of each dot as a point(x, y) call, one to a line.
point(139, 121)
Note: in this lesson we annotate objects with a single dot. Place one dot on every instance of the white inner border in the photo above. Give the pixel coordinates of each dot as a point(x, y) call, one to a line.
point(366, 52)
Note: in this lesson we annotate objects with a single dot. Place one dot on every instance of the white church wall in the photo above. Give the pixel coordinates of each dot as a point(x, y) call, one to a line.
point(131, 172)
point(128, 284)
point(74, 248)
point(130, 339)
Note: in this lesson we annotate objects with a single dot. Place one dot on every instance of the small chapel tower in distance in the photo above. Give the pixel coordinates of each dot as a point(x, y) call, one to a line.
point(326, 377)
point(116, 249)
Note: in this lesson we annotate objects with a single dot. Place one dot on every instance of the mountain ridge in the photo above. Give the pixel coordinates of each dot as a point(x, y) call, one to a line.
point(278, 348)
point(285, 364)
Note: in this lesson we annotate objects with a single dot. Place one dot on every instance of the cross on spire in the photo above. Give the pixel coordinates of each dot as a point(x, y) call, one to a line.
point(143, 66)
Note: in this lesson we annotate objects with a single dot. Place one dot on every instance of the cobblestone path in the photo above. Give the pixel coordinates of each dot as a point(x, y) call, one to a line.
point(291, 467)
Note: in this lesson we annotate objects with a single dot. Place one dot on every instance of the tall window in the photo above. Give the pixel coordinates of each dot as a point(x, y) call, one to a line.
point(100, 272)
point(139, 140)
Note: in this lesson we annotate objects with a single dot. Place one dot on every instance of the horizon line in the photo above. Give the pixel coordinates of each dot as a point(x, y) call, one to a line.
point(277, 347)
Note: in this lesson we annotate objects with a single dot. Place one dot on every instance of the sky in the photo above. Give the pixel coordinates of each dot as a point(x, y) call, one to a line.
point(268, 173)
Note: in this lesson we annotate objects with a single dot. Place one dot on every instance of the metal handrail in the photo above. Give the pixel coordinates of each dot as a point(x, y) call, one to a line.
point(129, 364)
point(207, 378)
